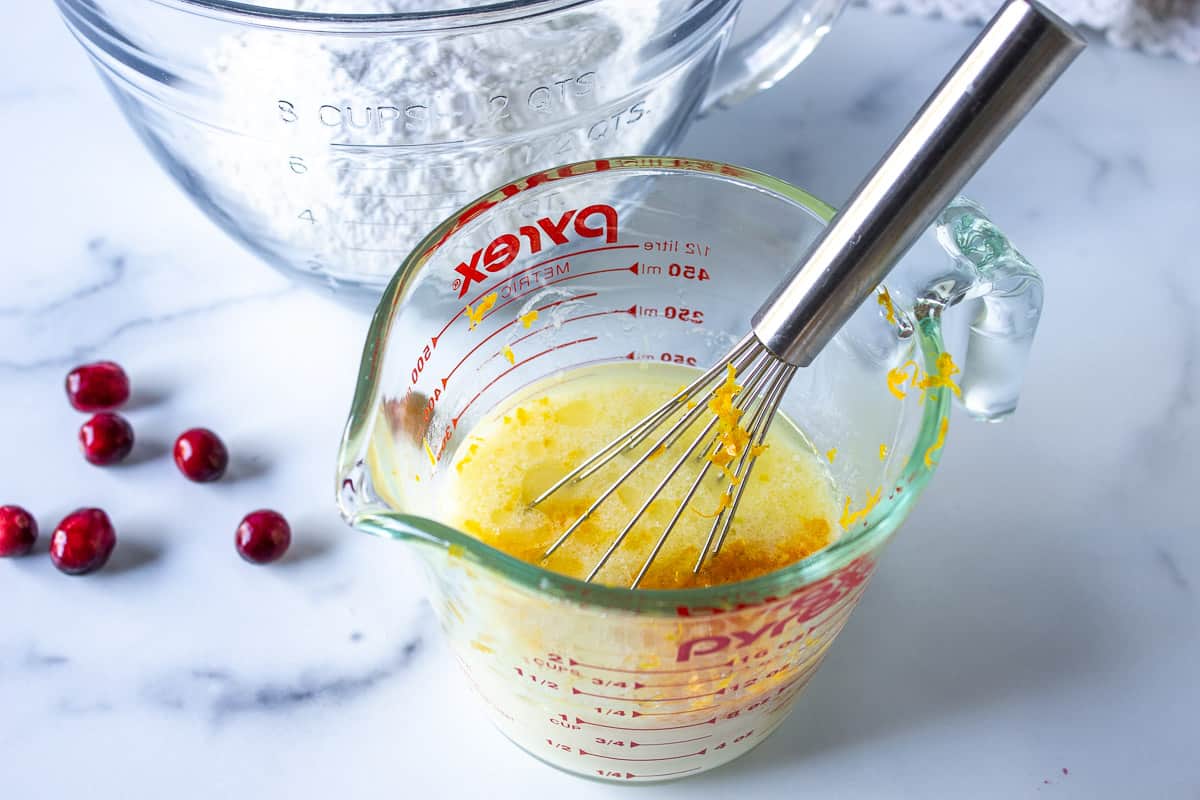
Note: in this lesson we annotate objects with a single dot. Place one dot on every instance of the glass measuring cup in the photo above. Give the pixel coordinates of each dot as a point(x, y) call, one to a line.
point(660, 259)
point(329, 139)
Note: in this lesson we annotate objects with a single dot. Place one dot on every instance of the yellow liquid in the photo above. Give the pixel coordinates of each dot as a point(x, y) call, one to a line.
point(787, 510)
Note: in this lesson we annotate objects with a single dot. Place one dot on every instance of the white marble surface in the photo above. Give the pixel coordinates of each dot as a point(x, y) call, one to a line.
point(1038, 614)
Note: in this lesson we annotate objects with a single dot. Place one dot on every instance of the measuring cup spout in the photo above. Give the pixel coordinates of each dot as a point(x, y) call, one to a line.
point(363, 510)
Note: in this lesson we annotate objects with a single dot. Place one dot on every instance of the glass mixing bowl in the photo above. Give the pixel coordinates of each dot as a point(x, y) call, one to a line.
point(330, 135)
point(661, 259)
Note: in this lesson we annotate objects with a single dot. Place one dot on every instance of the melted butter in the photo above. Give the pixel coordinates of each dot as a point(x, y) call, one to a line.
point(788, 509)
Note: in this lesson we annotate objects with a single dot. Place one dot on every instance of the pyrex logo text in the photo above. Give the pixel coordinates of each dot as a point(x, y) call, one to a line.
point(590, 222)
point(773, 619)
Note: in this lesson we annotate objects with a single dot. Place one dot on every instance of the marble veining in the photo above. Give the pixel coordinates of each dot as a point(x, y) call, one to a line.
point(111, 270)
point(219, 694)
point(1033, 631)
point(1104, 166)
point(1172, 569)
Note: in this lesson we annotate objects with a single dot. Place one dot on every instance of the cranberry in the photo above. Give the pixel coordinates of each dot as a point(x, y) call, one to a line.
point(263, 536)
point(18, 531)
point(201, 455)
point(106, 438)
point(97, 387)
point(83, 541)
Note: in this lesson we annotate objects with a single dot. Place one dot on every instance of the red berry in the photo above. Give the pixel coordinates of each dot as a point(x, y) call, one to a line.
point(97, 387)
point(201, 455)
point(106, 438)
point(263, 537)
point(18, 531)
point(83, 541)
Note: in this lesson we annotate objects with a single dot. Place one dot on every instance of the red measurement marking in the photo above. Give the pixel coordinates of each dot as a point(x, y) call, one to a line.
point(804, 674)
point(646, 699)
point(545, 328)
point(508, 325)
point(565, 300)
point(782, 705)
point(517, 365)
point(632, 310)
point(578, 275)
point(791, 695)
point(583, 752)
point(537, 288)
point(582, 721)
point(575, 663)
point(541, 286)
point(676, 741)
point(671, 713)
point(563, 257)
point(605, 696)
point(686, 697)
point(471, 352)
point(662, 774)
point(669, 685)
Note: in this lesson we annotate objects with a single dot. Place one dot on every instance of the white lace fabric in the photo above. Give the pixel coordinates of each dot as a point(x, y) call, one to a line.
point(1160, 27)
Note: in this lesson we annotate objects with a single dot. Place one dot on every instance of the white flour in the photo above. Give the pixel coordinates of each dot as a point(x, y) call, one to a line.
point(354, 147)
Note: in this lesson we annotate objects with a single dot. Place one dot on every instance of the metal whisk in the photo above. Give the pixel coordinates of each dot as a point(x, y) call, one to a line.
point(1016, 58)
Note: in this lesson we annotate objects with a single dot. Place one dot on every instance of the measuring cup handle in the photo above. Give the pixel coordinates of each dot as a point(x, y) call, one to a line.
point(1007, 295)
point(766, 57)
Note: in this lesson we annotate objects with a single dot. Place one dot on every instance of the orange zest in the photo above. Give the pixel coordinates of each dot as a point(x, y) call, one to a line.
point(910, 372)
point(885, 300)
point(475, 315)
point(729, 475)
point(732, 438)
point(946, 369)
point(462, 462)
point(722, 504)
point(938, 443)
point(897, 376)
point(849, 517)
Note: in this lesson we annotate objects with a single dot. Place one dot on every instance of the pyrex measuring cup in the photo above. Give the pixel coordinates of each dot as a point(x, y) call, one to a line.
point(330, 135)
point(660, 259)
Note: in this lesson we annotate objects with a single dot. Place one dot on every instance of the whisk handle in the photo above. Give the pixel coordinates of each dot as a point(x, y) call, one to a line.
point(1012, 63)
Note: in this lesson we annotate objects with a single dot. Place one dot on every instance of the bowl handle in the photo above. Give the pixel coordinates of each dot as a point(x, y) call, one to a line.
point(766, 57)
point(1007, 301)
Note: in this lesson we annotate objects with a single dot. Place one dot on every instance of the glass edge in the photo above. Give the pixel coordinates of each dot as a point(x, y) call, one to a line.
point(314, 21)
point(877, 527)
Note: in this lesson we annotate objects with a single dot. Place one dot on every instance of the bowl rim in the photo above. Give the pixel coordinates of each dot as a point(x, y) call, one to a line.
point(370, 22)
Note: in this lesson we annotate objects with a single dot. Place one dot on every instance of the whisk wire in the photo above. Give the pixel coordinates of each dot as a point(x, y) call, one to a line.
point(639, 431)
point(765, 410)
point(772, 406)
point(749, 390)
